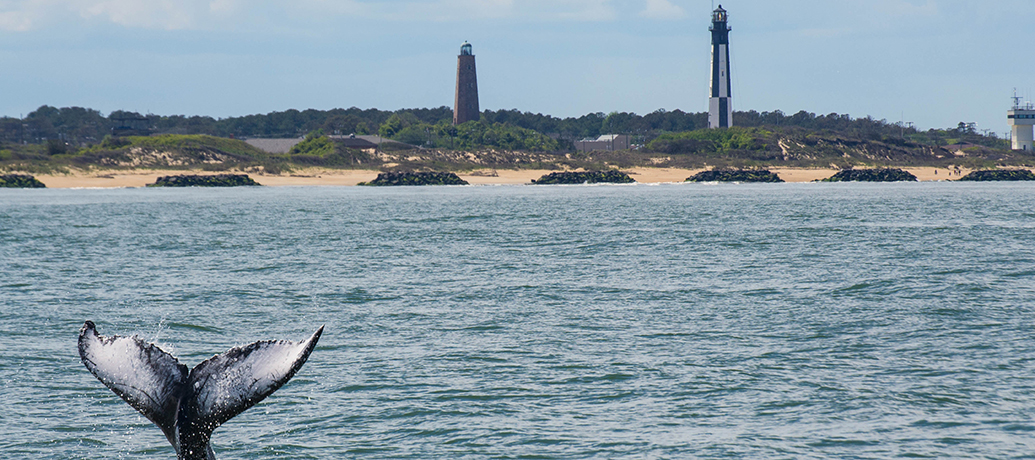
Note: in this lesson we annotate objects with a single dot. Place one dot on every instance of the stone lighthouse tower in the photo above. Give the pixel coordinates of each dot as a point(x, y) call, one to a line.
point(466, 104)
point(720, 107)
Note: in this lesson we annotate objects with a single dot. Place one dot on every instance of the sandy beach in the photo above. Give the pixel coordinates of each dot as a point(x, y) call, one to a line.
point(334, 177)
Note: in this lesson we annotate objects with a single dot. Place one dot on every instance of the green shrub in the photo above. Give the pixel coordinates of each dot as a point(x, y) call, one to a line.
point(711, 140)
point(315, 144)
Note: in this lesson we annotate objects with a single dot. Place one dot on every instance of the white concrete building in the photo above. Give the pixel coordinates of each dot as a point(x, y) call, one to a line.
point(1022, 121)
point(606, 142)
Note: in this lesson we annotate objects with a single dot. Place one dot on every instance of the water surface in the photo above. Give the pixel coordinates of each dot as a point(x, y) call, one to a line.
point(664, 321)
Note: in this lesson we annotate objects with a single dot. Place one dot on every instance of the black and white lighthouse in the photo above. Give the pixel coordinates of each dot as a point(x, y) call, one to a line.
point(720, 106)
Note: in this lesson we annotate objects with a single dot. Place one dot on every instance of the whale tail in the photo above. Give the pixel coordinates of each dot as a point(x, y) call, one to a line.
point(189, 406)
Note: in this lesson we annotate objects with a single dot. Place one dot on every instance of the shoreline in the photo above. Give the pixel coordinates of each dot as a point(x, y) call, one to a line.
point(337, 177)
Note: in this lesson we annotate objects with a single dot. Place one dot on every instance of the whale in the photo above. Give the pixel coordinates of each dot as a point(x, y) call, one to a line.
point(188, 405)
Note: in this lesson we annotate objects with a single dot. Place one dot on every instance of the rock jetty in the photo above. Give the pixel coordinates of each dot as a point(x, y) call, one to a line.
point(20, 181)
point(216, 180)
point(871, 175)
point(735, 175)
point(999, 175)
point(586, 177)
point(415, 178)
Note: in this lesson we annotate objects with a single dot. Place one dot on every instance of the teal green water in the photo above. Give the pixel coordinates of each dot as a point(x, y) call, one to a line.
point(667, 321)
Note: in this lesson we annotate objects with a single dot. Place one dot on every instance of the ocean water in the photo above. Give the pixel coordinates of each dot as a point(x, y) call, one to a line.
point(550, 322)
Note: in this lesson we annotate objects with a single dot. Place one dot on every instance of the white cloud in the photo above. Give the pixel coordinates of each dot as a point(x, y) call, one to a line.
point(224, 6)
point(887, 13)
point(462, 10)
point(336, 7)
point(478, 8)
point(444, 10)
point(906, 8)
point(15, 21)
point(24, 15)
point(21, 15)
point(148, 14)
point(662, 9)
point(582, 10)
point(825, 33)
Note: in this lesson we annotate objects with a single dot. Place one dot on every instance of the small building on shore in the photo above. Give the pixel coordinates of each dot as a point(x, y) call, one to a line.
point(606, 142)
point(1022, 126)
point(360, 142)
point(352, 141)
point(274, 145)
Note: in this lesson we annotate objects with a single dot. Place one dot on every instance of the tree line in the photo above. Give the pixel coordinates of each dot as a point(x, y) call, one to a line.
point(77, 126)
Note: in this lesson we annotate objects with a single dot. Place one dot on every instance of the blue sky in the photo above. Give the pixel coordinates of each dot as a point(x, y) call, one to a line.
point(931, 62)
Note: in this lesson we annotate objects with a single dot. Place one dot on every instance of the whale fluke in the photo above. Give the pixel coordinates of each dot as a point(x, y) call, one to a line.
point(189, 405)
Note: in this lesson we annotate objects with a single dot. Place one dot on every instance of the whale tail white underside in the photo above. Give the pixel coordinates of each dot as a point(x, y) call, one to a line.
point(189, 405)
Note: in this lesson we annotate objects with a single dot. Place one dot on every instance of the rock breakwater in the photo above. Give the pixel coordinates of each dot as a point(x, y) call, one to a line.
point(415, 178)
point(871, 175)
point(999, 175)
point(20, 181)
point(215, 180)
point(585, 177)
point(735, 175)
